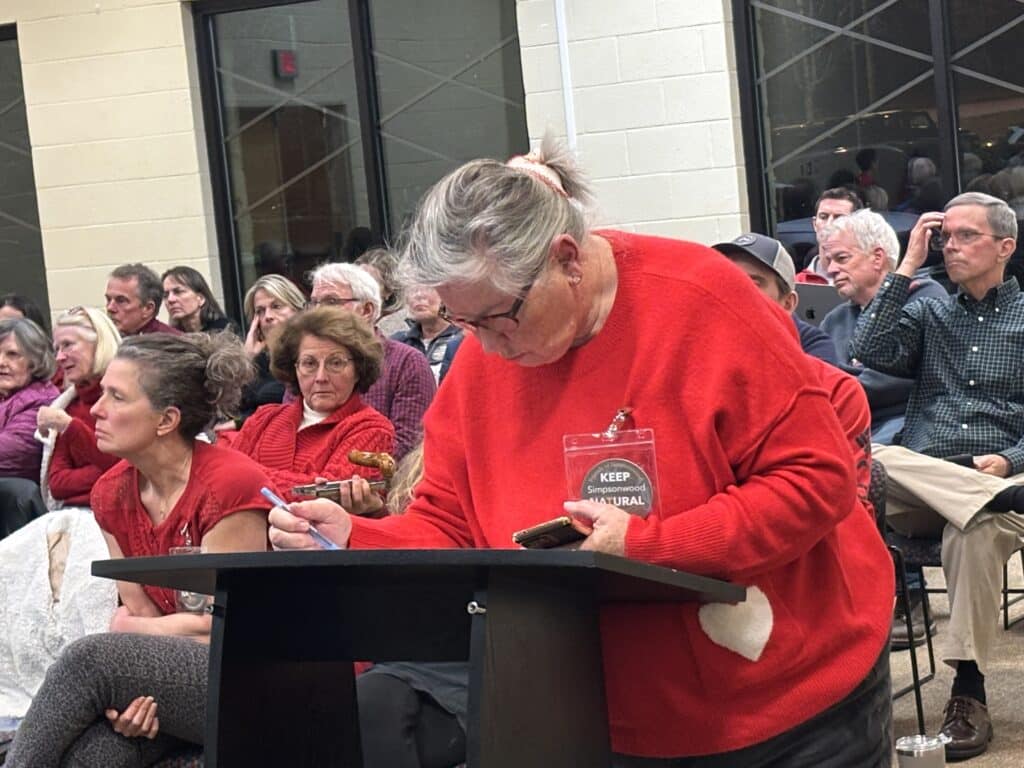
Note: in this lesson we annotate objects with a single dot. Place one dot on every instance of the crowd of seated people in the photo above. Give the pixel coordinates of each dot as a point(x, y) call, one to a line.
point(941, 373)
point(773, 448)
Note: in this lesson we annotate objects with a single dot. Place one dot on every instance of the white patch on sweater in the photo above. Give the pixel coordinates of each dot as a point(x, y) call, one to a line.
point(743, 628)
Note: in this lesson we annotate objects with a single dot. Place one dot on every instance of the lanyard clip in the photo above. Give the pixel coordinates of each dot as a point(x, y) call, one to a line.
point(620, 418)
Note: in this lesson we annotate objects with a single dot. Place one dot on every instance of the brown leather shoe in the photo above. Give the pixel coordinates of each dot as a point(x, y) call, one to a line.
point(967, 726)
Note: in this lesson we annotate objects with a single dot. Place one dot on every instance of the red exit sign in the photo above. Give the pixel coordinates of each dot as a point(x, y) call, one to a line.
point(286, 64)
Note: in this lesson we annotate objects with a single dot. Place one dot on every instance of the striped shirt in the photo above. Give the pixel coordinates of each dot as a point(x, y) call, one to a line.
point(967, 361)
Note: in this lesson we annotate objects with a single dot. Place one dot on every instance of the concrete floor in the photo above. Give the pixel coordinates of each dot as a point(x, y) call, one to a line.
point(1004, 683)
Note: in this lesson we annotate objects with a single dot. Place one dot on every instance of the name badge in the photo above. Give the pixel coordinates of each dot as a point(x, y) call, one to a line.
point(617, 467)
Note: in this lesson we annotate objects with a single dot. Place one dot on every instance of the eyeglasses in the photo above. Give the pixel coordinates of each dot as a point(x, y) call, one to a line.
point(490, 322)
point(310, 366)
point(962, 236)
point(330, 301)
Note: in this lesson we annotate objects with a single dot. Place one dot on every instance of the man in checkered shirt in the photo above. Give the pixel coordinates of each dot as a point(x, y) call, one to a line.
point(959, 470)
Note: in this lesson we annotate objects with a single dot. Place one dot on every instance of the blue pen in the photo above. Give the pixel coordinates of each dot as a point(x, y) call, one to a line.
point(318, 537)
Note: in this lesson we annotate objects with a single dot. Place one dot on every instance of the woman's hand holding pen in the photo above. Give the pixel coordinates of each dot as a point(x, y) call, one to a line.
point(289, 527)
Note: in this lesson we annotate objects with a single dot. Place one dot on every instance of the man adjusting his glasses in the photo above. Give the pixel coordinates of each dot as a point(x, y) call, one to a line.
point(959, 472)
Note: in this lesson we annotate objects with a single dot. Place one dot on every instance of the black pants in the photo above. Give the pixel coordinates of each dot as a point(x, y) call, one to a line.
point(20, 503)
point(855, 733)
point(403, 728)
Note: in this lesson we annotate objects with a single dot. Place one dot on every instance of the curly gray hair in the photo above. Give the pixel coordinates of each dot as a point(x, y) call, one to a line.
point(870, 230)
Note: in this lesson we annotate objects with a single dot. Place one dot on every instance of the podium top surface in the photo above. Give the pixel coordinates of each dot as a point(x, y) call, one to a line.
point(616, 579)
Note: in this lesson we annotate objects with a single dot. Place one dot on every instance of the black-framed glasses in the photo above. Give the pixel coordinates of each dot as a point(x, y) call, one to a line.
point(489, 322)
point(962, 236)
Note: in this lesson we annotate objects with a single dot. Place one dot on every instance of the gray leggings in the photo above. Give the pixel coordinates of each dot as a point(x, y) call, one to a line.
point(65, 726)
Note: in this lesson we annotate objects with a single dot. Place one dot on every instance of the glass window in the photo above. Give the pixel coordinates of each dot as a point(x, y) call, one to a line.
point(846, 97)
point(21, 246)
point(443, 84)
point(989, 86)
point(450, 89)
point(291, 136)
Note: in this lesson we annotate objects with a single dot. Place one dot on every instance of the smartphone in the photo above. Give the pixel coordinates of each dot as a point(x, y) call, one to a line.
point(559, 532)
point(935, 239)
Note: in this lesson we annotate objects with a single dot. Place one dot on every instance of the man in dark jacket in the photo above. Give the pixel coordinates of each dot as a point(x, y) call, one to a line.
point(770, 266)
point(861, 249)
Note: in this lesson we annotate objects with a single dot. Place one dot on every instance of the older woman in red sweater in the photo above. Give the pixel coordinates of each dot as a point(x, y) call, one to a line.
point(85, 341)
point(566, 326)
point(329, 357)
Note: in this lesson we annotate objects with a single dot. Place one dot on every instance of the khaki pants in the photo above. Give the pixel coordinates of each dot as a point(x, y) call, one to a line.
point(931, 497)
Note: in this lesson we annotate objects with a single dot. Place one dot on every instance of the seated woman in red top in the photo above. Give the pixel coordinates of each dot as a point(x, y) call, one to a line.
point(159, 392)
point(85, 341)
point(329, 357)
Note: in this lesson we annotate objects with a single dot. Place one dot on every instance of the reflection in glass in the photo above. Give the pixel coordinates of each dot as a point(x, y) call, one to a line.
point(846, 102)
point(990, 97)
point(291, 135)
point(21, 246)
point(450, 89)
point(986, 38)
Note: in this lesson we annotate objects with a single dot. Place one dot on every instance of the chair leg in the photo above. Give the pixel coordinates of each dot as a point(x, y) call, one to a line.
point(904, 597)
point(927, 611)
point(1006, 595)
point(1007, 591)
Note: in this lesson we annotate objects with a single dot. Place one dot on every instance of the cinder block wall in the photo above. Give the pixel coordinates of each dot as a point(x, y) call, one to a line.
point(656, 103)
point(118, 148)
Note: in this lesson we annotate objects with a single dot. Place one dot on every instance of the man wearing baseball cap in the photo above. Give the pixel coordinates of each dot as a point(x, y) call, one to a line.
point(770, 266)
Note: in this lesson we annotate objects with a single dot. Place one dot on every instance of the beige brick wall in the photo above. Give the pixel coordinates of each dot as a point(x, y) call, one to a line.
point(657, 114)
point(115, 122)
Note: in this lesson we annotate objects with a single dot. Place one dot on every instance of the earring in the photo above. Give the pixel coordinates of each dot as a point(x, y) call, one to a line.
point(576, 279)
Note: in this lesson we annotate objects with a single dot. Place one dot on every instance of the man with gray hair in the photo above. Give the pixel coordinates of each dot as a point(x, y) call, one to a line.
point(960, 469)
point(406, 385)
point(133, 296)
point(861, 249)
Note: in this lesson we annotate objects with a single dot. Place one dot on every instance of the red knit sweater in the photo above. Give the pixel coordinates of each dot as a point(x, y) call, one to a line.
point(77, 463)
point(756, 486)
point(271, 436)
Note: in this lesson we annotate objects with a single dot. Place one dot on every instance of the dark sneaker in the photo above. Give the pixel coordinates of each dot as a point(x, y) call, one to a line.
point(967, 726)
point(898, 640)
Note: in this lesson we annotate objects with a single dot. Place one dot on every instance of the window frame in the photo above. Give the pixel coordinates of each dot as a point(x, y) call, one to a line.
point(204, 12)
point(744, 36)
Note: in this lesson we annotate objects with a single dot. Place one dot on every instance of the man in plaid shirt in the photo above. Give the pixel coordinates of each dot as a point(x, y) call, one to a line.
point(959, 470)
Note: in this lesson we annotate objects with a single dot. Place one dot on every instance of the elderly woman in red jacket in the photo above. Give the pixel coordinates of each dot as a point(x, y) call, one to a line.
point(330, 357)
point(85, 341)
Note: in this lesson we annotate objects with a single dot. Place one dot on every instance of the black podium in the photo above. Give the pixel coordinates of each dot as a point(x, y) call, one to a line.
point(288, 625)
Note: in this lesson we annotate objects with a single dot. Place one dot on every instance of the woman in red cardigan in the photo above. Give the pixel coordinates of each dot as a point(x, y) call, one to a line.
point(568, 327)
point(329, 357)
point(85, 341)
